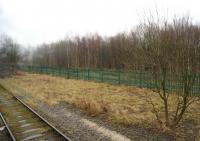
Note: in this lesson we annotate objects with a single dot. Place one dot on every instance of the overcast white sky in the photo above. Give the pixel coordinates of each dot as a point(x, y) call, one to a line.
point(32, 22)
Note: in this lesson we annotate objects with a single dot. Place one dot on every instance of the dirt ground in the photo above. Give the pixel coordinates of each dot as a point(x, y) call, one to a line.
point(121, 105)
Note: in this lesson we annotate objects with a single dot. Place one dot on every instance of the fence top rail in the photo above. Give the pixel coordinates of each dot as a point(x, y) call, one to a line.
point(112, 71)
point(131, 78)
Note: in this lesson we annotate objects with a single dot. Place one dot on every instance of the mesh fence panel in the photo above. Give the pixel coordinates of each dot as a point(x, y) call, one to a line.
point(136, 78)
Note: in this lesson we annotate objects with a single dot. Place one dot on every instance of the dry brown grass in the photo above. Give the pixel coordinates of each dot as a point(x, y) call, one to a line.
point(120, 104)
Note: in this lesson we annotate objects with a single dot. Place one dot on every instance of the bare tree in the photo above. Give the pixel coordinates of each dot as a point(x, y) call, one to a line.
point(172, 50)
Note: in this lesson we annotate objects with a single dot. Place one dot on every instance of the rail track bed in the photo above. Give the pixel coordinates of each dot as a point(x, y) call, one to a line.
point(24, 123)
point(4, 130)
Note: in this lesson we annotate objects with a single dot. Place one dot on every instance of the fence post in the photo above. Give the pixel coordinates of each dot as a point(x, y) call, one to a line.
point(59, 69)
point(67, 73)
point(47, 70)
point(140, 79)
point(77, 73)
point(101, 75)
point(198, 81)
point(37, 69)
point(51, 72)
point(119, 75)
point(54, 71)
point(88, 74)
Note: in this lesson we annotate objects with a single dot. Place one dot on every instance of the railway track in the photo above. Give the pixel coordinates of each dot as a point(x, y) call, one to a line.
point(23, 123)
point(5, 133)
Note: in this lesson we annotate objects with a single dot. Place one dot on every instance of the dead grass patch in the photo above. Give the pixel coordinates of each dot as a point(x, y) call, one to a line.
point(121, 104)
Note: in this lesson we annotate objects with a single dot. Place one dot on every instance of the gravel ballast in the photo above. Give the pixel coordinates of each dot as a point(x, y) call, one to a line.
point(77, 125)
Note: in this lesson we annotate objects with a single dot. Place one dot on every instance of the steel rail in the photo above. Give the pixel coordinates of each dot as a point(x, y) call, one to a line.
point(43, 119)
point(39, 116)
point(7, 127)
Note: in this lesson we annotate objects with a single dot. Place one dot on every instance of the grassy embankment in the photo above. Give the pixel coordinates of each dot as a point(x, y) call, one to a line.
point(118, 104)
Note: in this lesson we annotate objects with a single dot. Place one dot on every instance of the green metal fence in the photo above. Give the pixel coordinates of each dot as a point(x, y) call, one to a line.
point(131, 78)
